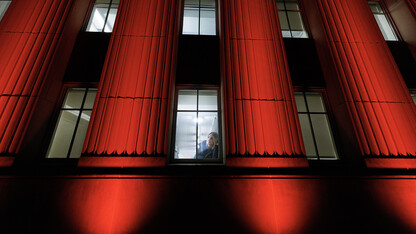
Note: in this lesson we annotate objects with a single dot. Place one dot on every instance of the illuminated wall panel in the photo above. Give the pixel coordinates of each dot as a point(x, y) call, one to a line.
point(130, 115)
point(260, 113)
point(378, 102)
point(29, 34)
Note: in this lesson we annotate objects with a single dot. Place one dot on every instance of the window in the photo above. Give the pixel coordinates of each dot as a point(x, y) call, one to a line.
point(199, 17)
point(103, 16)
point(413, 97)
point(382, 21)
point(3, 7)
point(316, 131)
point(290, 17)
point(68, 137)
point(197, 132)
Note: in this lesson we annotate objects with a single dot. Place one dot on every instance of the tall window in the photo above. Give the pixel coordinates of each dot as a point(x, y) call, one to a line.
point(290, 17)
point(70, 131)
point(383, 23)
point(3, 7)
point(316, 131)
point(199, 17)
point(103, 16)
point(197, 129)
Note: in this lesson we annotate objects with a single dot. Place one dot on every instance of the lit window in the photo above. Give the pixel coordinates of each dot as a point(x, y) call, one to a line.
point(199, 17)
point(290, 17)
point(70, 131)
point(316, 131)
point(3, 7)
point(197, 133)
point(103, 16)
point(413, 97)
point(382, 21)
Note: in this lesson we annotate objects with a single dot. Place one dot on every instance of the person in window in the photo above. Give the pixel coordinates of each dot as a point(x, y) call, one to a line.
point(212, 147)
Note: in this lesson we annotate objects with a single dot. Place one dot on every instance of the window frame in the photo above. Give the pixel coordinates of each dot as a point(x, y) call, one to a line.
point(171, 160)
point(55, 118)
point(199, 20)
point(304, 21)
point(331, 123)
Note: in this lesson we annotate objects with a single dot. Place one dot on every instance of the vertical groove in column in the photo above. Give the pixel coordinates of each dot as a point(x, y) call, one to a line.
point(130, 113)
point(260, 113)
point(29, 35)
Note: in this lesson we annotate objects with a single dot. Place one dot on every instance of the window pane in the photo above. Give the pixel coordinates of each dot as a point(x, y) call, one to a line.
point(207, 128)
point(414, 97)
point(315, 102)
point(190, 21)
point(286, 33)
point(89, 100)
point(283, 21)
point(63, 134)
point(110, 20)
point(385, 28)
point(375, 7)
point(207, 22)
point(185, 138)
point(3, 7)
point(292, 5)
point(187, 100)
point(323, 136)
point(208, 3)
point(192, 3)
point(307, 135)
point(295, 21)
point(74, 97)
point(208, 100)
point(280, 5)
point(80, 135)
point(300, 102)
point(97, 19)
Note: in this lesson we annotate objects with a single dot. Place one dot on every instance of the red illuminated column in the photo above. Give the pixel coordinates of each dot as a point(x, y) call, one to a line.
point(130, 114)
point(260, 112)
point(377, 100)
point(29, 34)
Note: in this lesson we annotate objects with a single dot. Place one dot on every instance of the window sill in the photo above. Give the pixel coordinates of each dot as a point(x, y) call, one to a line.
point(6, 161)
point(121, 161)
point(267, 162)
point(391, 163)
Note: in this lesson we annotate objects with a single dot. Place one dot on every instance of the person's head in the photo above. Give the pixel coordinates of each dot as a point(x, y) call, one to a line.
point(212, 139)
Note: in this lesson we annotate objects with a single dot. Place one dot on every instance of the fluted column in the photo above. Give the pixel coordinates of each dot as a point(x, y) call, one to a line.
point(29, 34)
point(130, 114)
point(260, 112)
point(378, 102)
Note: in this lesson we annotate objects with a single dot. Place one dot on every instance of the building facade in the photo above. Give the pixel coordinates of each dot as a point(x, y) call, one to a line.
point(212, 116)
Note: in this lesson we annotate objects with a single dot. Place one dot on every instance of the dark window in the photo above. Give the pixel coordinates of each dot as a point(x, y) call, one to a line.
point(3, 7)
point(199, 17)
point(383, 22)
point(197, 127)
point(316, 130)
point(71, 128)
point(103, 16)
point(290, 17)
